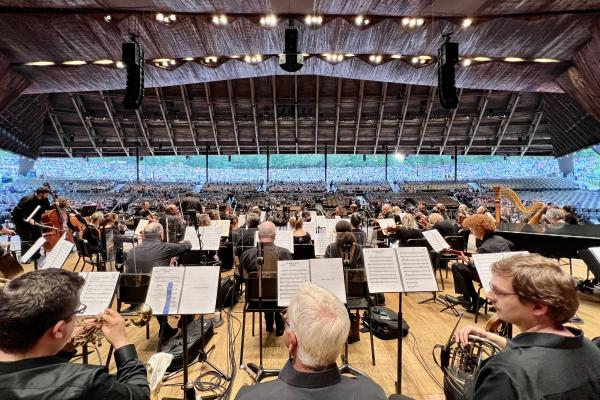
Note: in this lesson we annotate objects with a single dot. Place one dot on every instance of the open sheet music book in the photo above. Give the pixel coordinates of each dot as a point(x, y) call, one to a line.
point(386, 223)
point(436, 240)
point(183, 290)
point(595, 252)
point(98, 291)
point(402, 269)
point(327, 273)
point(59, 253)
point(210, 235)
point(285, 239)
point(483, 263)
point(322, 240)
point(222, 224)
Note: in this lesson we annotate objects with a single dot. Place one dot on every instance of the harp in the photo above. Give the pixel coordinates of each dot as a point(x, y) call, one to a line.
point(532, 214)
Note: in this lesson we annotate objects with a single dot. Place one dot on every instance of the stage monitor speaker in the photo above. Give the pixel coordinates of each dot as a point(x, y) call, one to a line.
point(133, 58)
point(448, 58)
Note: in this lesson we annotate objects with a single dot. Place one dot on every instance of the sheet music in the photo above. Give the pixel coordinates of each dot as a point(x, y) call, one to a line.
point(381, 266)
point(483, 263)
point(310, 227)
point(285, 239)
point(33, 249)
point(328, 273)
point(416, 269)
point(241, 220)
point(211, 238)
point(141, 225)
point(595, 252)
point(436, 241)
point(263, 216)
point(192, 236)
point(290, 275)
point(98, 291)
point(320, 220)
point(313, 216)
point(383, 223)
point(322, 240)
point(331, 223)
point(59, 254)
point(165, 290)
point(199, 293)
point(222, 224)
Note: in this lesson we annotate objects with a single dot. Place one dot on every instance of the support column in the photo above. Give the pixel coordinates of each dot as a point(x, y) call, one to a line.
point(268, 161)
point(137, 164)
point(455, 163)
point(386, 161)
point(206, 165)
point(325, 155)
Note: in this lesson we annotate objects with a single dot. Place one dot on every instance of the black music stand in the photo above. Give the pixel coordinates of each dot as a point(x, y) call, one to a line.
point(398, 395)
point(189, 393)
point(259, 370)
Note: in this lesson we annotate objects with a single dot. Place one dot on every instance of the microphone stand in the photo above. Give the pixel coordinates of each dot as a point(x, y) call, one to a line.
point(259, 370)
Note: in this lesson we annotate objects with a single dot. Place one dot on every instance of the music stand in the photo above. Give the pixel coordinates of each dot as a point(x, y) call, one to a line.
point(259, 371)
point(398, 395)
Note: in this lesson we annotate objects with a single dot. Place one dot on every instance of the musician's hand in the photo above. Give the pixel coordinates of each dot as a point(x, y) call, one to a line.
point(115, 328)
point(6, 231)
point(31, 221)
point(173, 261)
point(463, 258)
point(462, 335)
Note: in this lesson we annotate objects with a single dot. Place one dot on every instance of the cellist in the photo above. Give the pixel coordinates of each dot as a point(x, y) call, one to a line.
point(27, 229)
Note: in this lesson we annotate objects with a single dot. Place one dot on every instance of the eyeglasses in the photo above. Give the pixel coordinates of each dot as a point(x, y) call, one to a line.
point(500, 293)
point(80, 310)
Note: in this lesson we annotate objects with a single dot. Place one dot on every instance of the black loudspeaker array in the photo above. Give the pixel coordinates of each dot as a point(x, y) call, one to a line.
point(133, 58)
point(448, 58)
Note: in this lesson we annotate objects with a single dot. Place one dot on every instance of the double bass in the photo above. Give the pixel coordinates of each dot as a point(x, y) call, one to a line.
point(62, 221)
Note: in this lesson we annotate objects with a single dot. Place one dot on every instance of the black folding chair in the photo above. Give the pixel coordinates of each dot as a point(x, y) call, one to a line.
point(304, 251)
point(358, 298)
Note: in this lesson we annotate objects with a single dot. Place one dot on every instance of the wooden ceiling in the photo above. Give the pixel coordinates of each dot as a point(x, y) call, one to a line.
point(58, 31)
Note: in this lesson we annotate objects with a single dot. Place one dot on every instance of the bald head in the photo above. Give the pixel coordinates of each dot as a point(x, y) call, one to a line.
point(266, 232)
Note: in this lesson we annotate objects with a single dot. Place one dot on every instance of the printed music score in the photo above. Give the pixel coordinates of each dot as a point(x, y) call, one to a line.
point(403, 269)
point(32, 250)
point(310, 227)
point(211, 238)
point(241, 220)
point(285, 239)
point(386, 223)
point(483, 263)
point(183, 290)
point(326, 273)
point(263, 216)
point(192, 237)
point(436, 240)
point(322, 240)
point(222, 224)
point(141, 225)
point(98, 291)
point(59, 253)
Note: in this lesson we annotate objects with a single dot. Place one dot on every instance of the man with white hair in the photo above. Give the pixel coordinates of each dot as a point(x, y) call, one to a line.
point(271, 254)
point(317, 328)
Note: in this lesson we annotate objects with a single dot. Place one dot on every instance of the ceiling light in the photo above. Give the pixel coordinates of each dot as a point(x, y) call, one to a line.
point(211, 59)
point(39, 63)
point(481, 59)
point(253, 59)
point(164, 63)
point(160, 17)
point(375, 58)
point(405, 21)
point(189, 59)
point(396, 56)
point(103, 62)
point(546, 60)
point(348, 55)
point(172, 17)
point(74, 62)
point(269, 20)
point(400, 157)
point(467, 22)
point(305, 55)
point(466, 62)
point(514, 59)
point(424, 57)
point(172, 62)
point(235, 56)
point(220, 19)
point(415, 60)
point(120, 65)
point(361, 21)
point(108, 18)
point(161, 60)
point(412, 23)
point(313, 20)
point(420, 21)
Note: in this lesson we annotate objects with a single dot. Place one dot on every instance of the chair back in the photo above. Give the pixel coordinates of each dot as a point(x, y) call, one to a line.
point(418, 243)
point(133, 288)
point(269, 287)
point(304, 251)
point(456, 242)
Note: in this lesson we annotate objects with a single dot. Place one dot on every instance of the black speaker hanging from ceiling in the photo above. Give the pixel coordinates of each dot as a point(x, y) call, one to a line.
point(133, 58)
point(447, 60)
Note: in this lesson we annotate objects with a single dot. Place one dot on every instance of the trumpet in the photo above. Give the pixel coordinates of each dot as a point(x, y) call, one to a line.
point(139, 318)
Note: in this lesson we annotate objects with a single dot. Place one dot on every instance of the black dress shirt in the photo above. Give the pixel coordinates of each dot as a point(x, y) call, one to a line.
point(541, 366)
point(357, 260)
point(328, 384)
point(53, 378)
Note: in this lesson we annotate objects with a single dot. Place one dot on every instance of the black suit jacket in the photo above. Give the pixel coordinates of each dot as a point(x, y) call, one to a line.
point(25, 207)
point(153, 253)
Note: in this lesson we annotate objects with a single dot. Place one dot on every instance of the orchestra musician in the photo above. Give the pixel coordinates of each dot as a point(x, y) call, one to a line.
point(345, 246)
point(144, 211)
point(173, 223)
point(26, 229)
point(547, 360)
point(300, 236)
point(317, 327)
point(37, 320)
point(91, 233)
point(464, 272)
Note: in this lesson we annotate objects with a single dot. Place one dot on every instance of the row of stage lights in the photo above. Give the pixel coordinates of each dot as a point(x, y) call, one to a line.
point(312, 20)
point(254, 59)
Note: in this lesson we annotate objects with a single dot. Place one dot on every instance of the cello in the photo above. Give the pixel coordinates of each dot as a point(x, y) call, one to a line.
point(56, 218)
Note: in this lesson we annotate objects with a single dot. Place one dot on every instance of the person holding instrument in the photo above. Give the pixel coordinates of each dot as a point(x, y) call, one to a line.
point(547, 360)
point(26, 228)
point(38, 313)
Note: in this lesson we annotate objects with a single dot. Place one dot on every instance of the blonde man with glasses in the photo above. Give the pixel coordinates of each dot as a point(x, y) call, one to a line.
point(317, 327)
point(547, 360)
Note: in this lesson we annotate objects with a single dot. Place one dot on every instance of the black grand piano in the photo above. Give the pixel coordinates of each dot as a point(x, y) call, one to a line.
point(554, 241)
